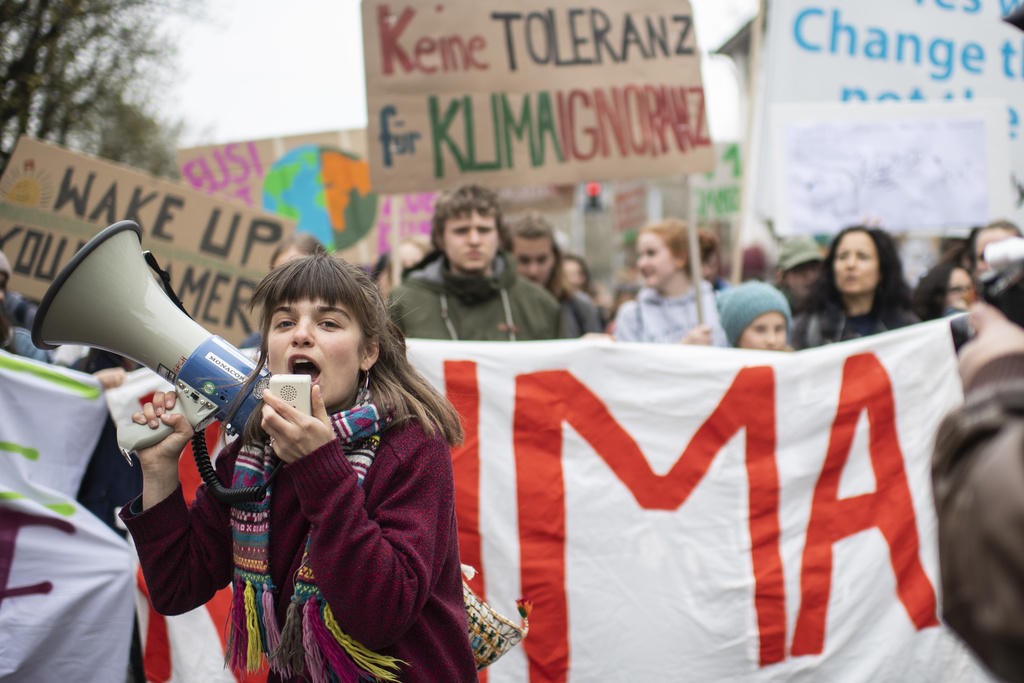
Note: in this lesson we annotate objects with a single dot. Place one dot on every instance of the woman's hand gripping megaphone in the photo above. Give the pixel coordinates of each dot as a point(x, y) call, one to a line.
point(168, 429)
point(151, 427)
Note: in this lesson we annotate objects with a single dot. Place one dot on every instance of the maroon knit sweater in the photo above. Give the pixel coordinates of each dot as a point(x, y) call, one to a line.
point(385, 554)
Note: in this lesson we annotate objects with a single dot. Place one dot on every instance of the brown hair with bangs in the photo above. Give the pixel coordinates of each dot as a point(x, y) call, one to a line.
point(395, 385)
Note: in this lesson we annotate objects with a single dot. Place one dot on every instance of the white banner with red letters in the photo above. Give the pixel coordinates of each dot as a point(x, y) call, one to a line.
point(683, 513)
point(65, 595)
point(689, 513)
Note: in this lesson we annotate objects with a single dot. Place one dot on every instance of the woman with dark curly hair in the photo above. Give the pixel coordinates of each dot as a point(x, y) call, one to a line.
point(943, 290)
point(860, 291)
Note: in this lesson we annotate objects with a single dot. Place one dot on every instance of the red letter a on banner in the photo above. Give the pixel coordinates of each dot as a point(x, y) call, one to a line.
point(544, 400)
point(890, 508)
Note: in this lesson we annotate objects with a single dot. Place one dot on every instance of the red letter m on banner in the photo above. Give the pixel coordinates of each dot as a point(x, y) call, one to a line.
point(544, 400)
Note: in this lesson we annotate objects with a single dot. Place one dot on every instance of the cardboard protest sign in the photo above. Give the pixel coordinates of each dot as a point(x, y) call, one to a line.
point(237, 169)
point(629, 205)
point(53, 200)
point(716, 195)
point(302, 176)
point(876, 51)
point(540, 93)
point(319, 180)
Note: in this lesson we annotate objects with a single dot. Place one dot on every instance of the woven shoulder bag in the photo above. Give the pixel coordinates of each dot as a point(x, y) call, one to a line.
point(490, 634)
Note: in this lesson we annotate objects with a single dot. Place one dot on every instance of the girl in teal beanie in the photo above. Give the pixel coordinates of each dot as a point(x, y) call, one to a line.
point(755, 315)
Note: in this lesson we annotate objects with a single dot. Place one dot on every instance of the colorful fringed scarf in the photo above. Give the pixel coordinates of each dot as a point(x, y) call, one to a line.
point(311, 642)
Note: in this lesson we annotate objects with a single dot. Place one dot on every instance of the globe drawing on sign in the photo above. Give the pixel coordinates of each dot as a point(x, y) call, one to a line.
point(327, 191)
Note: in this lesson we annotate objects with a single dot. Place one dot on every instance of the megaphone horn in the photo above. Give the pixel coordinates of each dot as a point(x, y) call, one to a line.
point(106, 297)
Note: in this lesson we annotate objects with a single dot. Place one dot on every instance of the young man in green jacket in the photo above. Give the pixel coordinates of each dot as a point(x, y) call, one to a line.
point(468, 289)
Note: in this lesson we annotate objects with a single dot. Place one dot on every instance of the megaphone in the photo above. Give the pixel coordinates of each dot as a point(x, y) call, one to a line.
point(106, 297)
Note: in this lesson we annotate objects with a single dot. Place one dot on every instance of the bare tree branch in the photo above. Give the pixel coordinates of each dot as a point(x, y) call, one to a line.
point(80, 71)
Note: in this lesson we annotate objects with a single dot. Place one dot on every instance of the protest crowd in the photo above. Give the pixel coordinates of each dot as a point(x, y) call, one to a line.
point(483, 279)
point(358, 538)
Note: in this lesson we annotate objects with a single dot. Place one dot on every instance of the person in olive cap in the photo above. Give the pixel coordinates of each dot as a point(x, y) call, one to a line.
point(798, 266)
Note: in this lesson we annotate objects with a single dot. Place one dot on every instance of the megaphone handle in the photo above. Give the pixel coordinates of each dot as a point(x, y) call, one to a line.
point(132, 436)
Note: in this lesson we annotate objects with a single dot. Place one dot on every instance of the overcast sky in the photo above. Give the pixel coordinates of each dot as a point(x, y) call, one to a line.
point(265, 68)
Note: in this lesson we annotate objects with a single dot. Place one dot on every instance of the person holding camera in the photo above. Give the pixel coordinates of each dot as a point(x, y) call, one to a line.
point(981, 237)
point(978, 481)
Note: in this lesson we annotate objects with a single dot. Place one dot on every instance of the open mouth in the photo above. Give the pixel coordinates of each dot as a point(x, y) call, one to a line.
point(304, 366)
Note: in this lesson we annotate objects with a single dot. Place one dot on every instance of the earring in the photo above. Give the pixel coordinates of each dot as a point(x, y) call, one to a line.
point(365, 389)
